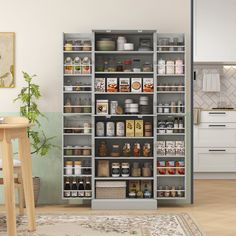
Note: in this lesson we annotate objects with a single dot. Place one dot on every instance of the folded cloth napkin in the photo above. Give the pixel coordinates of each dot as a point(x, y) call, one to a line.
point(211, 81)
point(196, 116)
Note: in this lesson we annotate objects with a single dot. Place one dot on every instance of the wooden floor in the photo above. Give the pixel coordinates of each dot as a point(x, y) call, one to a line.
point(214, 209)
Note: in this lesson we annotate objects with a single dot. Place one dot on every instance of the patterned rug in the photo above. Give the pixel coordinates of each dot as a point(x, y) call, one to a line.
point(92, 225)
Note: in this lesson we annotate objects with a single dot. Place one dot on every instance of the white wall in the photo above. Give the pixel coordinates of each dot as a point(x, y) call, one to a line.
point(39, 25)
point(214, 30)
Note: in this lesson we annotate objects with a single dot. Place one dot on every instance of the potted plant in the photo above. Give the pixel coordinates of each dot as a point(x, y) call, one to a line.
point(40, 143)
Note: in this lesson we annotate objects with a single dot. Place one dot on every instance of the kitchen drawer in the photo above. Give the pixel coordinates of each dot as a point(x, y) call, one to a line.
point(215, 159)
point(215, 135)
point(218, 116)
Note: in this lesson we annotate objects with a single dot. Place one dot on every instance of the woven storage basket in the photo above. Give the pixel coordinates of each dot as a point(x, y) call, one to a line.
point(111, 189)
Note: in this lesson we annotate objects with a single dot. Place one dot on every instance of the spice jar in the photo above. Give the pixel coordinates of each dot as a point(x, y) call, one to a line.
point(77, 65)
point(68, 108)
point(160, 192)
point(167, 191)
point(136, 150)
point(110, 127)
point(87, 45)
point(173, 191)
point(86, 68)
point(77, 45)
point(180, 192)
point(179, 67)
point(147, 129)
point(86, 151)
point(87, 128)
point(161, 67)
point(68, 45)
point(125, 169)
point(146, 149)
point(113, 107)
point(147, 67)
point(68, 66)
point(68, 151)
point(136, 65)
point(120, 128)
point(119, 66)
point(146, 170)
point(102, 149)
point(127, 65)
point(126, 150)
point(77, 168)
point(166, 108)
point(115, 169)
point(100, 129)
point(77, 151)
point(115, 152)
point(68, 168)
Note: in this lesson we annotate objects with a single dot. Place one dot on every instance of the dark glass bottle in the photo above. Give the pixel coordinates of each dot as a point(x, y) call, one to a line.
point(74, 188)
point(81, 188)
point(88, 193)
point(67, 192)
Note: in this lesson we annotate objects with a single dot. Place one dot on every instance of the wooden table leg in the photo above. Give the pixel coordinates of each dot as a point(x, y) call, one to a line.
point(9, 186)
point(20, 191)
point(26, 165)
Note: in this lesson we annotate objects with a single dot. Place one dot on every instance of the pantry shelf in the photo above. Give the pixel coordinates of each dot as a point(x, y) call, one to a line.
point(114, 137)
point(170, 52)
point(172, 134)
point(123, 178)
point(124, 93)
point(77, 52)
point(170, 198)
point(125, 52)
point(124, 73)
point(170, 75)
point(124, 158)
point(171, 176)
point(77, 75)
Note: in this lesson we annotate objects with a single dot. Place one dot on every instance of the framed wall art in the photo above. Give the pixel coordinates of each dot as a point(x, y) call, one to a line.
point(7, 59)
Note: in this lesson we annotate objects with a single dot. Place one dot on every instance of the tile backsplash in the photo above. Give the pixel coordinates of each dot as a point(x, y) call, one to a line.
point(208, 100)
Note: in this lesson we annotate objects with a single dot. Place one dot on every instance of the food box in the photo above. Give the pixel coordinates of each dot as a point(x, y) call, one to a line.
point(180, 150)
point(110, 189)
point(170, 148)
point(136, 85)
point(180, 170)
point(129, 128)
point(112, 85)
point(100, 85)
point(161, 170)
point(124, 85)
point(161, 148)
point(148, 85)
point(170, 167)
point(138, 128)
point(102, 107)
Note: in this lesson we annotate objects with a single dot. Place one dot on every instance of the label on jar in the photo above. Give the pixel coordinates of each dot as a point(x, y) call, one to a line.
point(67, 193)
point(125, 170)
point(74, 193)
point(115, 171)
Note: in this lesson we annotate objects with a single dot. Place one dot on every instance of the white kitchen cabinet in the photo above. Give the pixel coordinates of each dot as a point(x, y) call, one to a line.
point(215, 135)
point(215, 159)
point(214, 31)
point(215, 142)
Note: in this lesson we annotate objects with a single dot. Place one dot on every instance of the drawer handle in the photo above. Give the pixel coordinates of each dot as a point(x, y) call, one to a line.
point(217, 125)
point(217, 150)
point(217, 113)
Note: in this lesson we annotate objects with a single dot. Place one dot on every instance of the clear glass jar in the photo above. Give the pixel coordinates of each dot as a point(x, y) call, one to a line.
point(136, 65)
point(68, 168)
point(115, 152)
point(127, 150)
point(147, 67)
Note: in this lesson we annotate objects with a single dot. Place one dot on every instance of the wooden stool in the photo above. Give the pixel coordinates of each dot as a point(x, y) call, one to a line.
point(18, 183)
point(16, 128)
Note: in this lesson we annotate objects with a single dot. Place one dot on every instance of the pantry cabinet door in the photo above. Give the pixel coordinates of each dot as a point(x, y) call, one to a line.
point(215, 159)
point(215, 135)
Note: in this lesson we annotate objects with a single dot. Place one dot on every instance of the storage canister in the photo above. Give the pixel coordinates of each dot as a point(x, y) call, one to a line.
point(115, 169)
point(110, 127)
point(69, 168)
point(147, 129)
point(77, 168)
point(113, 106)
point(125, 169)
point(161, 69)
point(120, 128)
point(179, 67)
point(121, 40)
point(100, 129)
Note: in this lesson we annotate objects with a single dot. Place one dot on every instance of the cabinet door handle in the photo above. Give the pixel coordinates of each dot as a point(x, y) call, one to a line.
point(217, 150)
point(217, 113)
point(217, 125)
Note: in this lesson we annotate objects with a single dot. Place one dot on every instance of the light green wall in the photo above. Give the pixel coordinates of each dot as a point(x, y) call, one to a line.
point(48, 168)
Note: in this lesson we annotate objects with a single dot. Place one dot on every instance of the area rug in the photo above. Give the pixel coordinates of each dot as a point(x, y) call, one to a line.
point(93, 225)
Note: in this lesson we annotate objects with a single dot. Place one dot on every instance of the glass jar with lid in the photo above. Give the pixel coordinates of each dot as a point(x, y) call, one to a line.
point(127, 65)
point(69, 168)
point(136, 150)
point(115, 152)
point(136, 65)
point(147, 66)
point(115, 168)
point(127, 150)
point(77, 45)
point(68, 45)
point(86, 67)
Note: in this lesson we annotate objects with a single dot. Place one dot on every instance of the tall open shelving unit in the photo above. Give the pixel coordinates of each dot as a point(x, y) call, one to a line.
point(83, 86)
